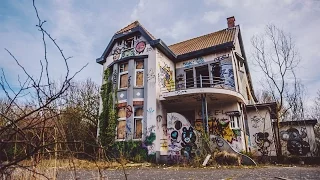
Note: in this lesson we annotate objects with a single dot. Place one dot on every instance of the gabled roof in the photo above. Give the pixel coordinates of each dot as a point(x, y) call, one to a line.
point(133, 25)
point(203, 42)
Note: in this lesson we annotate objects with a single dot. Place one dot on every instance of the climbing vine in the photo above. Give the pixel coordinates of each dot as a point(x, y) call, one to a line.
point(108, 116)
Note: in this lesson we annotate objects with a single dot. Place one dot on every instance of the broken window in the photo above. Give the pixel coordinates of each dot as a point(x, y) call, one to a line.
point(123, 75)
point(121, 125)
point(234, 122)
point(129, 43)
point(216, 73)
point(138, 117)
point(139, 73)
point(189, 78)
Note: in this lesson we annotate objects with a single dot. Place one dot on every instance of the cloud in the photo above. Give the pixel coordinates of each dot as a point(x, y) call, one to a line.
point(213, 17)
point(83, 29)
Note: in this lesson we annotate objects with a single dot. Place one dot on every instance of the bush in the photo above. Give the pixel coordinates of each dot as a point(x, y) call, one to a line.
point(225, 158)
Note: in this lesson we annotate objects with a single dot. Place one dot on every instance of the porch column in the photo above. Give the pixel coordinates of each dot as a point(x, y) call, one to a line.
point(204, 109)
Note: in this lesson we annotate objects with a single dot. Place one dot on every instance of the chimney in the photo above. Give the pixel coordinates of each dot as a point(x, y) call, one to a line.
point(231, 21)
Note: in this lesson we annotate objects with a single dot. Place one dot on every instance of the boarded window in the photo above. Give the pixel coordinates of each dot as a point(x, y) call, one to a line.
point(138, 112)
point(138, 119)
point(138, 128)
point(122, 113)
point(121, 129)
point(123, 81)
point(123, 67)
point(139, 79)
point(139, 64)
point(139, 73)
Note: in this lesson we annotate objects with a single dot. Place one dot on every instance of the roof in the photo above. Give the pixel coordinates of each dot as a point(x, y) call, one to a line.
point(133, 25)
point(299, 122)
point(203, 42)
point(271, 106)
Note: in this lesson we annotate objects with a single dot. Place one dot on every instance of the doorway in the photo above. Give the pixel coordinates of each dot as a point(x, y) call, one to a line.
point(189, 78)
point(202, 76)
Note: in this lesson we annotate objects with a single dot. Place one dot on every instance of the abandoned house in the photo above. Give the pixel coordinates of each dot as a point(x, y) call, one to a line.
point(201, 85)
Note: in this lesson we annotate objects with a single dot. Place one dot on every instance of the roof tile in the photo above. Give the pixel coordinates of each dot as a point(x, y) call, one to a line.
point(205, 41)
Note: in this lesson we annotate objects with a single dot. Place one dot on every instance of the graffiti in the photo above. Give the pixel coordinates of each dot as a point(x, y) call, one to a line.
point(181, 138)
point(218, 141)
point(127, 53)
point(196, 61)
point(163, 143)
point(150, 110)
point(140, 47)
point(128, 111)
point(256, 120)
point(262, 142)
point(296, 144)
point(165, 77)
point(114, 77)
point(149, 49)
point(227, 74)
point(221, 127)
point(179, 92)
point(188, 139)
point(151, 75)
point(116, 53)
point(220, 58)
point(159, 120)
point(129, 81)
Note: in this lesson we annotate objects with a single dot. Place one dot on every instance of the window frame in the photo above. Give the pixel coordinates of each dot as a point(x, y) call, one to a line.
point(134, 122)
point(138, 70)
point(123, 73)
point(118, 120)
point(234, 122)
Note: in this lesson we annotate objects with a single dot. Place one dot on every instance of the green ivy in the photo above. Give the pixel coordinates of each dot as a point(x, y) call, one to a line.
point(108, 116)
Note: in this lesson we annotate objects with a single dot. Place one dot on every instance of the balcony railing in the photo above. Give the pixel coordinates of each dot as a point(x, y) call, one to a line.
point(198, 82)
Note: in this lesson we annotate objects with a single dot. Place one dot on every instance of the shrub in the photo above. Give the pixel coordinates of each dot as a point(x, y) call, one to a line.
point(226, 158)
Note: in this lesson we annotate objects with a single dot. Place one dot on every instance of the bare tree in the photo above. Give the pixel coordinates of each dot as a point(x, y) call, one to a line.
point(26, 114)
point(275, 53)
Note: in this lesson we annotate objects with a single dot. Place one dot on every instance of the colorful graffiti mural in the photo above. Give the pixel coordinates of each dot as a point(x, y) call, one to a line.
point(182, 138)
point(227, 73)
point(121, 51)
point(296, 144)
point(165, 77)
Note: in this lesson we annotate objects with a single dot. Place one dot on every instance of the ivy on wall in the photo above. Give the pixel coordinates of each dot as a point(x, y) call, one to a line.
point(108, 116)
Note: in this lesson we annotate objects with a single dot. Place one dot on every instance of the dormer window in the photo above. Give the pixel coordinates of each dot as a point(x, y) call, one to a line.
point(129, 43)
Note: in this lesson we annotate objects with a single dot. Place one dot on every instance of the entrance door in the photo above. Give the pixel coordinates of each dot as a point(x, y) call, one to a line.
point(202, 74)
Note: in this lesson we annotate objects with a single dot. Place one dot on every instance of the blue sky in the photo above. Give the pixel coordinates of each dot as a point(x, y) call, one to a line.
point(84, 28)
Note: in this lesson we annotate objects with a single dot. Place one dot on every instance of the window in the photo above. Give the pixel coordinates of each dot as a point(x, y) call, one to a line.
point(129, 43)
point(121, 124)
point(138, 117)
point(139, 73)
point(123, 75)
point(234, 122)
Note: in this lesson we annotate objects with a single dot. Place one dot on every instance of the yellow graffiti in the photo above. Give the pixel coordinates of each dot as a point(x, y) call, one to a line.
point(166, 77)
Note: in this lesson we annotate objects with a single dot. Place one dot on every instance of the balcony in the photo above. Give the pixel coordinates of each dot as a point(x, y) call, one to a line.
point(216, 88)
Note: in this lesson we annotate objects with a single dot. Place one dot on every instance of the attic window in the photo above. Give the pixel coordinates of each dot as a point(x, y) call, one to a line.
point(138, 37)
point(119, 43)
point(129, 43)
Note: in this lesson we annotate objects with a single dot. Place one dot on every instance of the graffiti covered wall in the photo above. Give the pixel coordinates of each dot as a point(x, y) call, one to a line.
point(298, 140)
point(260, 135)
point(219, 124)
point(182, 138)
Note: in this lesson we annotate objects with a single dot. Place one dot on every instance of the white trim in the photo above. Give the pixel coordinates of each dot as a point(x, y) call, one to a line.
point(134, 122)
point(122, 73)
point(138, 70)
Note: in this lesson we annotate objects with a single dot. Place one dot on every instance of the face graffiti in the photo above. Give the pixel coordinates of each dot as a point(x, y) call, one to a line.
point(263, 142)
point(166, 77)
point(140, 47)
point(134, 46)
point(296, 144)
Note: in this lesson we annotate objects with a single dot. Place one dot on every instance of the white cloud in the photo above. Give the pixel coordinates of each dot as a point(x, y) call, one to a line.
point(223, 3)
point(213, 17)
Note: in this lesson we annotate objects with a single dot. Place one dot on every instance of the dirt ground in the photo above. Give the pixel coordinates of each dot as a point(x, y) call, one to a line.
point(167, 173)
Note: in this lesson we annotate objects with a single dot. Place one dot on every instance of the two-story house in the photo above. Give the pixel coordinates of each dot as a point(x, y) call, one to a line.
point(167, 96)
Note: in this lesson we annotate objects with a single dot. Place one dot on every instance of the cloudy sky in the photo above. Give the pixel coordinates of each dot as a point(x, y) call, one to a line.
point(83, 29)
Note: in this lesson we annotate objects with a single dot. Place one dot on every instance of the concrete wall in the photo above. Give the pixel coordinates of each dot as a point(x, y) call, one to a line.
point(261, 139)
point(298, 140)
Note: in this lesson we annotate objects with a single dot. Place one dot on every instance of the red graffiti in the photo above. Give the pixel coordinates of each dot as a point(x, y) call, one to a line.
point(128, 111)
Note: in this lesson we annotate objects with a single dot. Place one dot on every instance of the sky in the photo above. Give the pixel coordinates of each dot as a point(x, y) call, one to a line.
point(84, 28)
